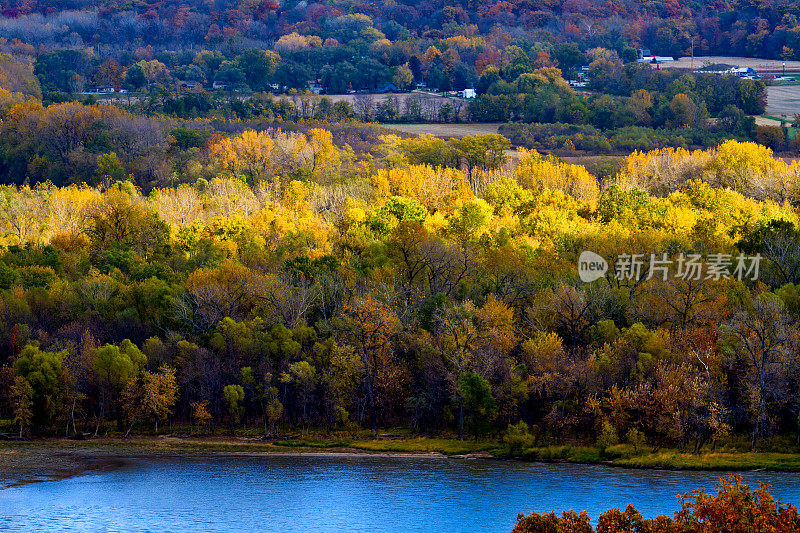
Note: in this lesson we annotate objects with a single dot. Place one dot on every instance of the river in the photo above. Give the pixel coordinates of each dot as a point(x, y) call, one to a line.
point(341, 493)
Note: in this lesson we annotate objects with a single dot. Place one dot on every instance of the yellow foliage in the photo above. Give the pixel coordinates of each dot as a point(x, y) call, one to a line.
point(538, 173)
point(745, 167)
point(260, 156)
point(544, 352)
point(433, 187)
point(249, 154)
point(662, 171)
point(741, 165)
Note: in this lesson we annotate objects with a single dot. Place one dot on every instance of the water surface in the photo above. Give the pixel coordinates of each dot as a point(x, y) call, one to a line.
point(356, 493)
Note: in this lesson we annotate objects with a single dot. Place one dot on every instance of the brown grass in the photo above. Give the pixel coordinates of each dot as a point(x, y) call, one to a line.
point(445, 131)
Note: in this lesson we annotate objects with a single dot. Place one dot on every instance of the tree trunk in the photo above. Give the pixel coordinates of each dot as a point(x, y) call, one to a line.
point(372, 418)
point(72, 416)
point(762, 405)
point(99, 417)
point(460, 419)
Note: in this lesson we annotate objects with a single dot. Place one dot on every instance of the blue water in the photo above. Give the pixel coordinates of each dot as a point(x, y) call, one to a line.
point(318, 493)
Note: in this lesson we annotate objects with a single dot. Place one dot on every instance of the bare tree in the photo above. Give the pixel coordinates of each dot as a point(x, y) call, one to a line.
point(763, 343)
point(364, 105)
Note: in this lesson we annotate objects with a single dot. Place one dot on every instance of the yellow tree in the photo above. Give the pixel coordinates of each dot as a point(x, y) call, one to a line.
point(216, 293)
point(538, 173)
point(23, 213)
point(248, 155)
point(662, 171)
point(180, 206)
point(739, 165)
point(326, 158)
point(200, 414)
point(150, 395)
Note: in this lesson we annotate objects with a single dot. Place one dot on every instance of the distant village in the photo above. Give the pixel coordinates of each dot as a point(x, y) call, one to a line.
point(314, 86)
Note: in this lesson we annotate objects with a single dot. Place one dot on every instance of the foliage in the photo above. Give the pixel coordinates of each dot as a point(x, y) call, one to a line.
point(735, 508)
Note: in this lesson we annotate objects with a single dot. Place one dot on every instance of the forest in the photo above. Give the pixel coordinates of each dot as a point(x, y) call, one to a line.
point(290, 281)
point(539, 69)
point(734, 27)
point(280, 262)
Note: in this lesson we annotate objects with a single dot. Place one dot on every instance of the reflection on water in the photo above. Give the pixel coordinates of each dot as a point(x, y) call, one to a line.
point(317, 493)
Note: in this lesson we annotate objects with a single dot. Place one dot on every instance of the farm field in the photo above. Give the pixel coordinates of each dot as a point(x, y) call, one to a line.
point(783, 100)
point(755, 62)
point(447, 131)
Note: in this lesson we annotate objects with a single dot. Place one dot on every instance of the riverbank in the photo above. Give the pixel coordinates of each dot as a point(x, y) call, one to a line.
point(45, 459)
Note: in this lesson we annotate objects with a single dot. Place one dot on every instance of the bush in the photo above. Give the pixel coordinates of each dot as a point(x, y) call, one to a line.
point(736, 508)
point(518, 438)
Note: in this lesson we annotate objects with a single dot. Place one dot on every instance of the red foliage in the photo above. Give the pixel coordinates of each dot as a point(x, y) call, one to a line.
point(735, 508)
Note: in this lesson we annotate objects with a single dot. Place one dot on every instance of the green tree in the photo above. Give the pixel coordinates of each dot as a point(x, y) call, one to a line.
point(113, 367)
point(234, 396)
point(478, 402)
point(258, 66)
point(109, 169)
point(22, 395)
point(44, 371)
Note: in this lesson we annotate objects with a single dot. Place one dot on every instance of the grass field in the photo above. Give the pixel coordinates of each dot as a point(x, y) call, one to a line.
point(445, 131)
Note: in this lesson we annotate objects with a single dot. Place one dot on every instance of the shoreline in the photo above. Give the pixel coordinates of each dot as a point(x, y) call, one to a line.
point(23, 462)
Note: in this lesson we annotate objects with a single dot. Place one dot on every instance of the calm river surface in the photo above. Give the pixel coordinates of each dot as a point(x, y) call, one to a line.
point(318, 493)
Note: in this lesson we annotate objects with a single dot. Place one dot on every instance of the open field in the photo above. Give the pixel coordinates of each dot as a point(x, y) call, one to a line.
point(783, 100)
point(446, 131)
point(755, 62)
point(766, 121)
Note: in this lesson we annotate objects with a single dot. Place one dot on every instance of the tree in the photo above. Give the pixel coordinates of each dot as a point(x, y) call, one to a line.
point(113, 368)
point(539, 173)
point(459, 337)
point(481, 152)
point(150, 395)
point(303, 376)
point(134, 78)
point(684, 111)
point(22, 396)
point(44, 372)
point(258, 67)
point(273, 411)
point(120, 220)
point(777, 241)
point(23, 213)
point(234, 396)
point(403, 77)
point(248, 155)
point(200, 414)
point(762, 342)
point(109, 169)
point(479, 402)
point(370, 326)
point(216, 293)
